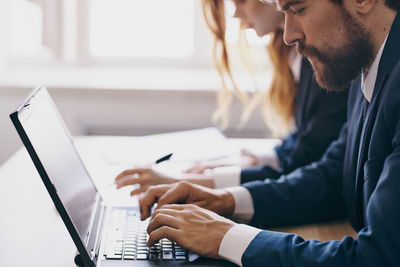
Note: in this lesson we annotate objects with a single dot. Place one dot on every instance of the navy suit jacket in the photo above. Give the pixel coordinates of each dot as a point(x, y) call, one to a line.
point(319, 116)
point(358, 176)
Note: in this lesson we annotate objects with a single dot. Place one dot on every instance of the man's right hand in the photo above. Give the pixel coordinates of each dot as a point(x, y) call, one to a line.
point(217, 200)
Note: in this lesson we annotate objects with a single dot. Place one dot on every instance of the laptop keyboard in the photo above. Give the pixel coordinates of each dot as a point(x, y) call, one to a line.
point(127, 237)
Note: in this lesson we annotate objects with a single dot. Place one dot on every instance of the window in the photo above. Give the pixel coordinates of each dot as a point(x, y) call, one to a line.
point(50, 40)
point(156, 29)
point(122, 32)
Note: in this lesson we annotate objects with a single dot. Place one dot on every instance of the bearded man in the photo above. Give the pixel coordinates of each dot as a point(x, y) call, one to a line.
point(348, 42)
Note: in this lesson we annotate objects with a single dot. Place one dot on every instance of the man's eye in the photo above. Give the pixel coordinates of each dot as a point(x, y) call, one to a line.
point(298, 11)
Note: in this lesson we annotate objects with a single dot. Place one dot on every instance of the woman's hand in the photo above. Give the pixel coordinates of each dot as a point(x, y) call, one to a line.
point(144, 177)
point(247, 160)
point(201, 166)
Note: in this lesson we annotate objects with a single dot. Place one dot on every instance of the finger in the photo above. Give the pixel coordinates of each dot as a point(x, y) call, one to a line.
point(171, 207)
point(173, 211)
point(163, 232)
point(128, 180)
point(139, 190)
point(130, 172)
point(199, 170)
point(177, 194)
point(191, 170)
point(147, 200)
point(196, 168)
point(163, 219)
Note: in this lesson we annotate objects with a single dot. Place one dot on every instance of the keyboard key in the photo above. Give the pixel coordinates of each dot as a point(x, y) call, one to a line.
point(113, 257)
point(180, 253)
point(167, 255)
point(153, 256)
point(180, 258)
point(129, 253)
point(129, 257)
point(141, 256)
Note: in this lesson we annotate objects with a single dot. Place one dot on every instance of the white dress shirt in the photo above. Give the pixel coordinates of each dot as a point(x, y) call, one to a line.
point(244, 207)
point(369, 76)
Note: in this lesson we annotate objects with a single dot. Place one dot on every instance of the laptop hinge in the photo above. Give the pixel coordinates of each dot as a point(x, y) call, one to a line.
point(96, 247)
point(94, 233)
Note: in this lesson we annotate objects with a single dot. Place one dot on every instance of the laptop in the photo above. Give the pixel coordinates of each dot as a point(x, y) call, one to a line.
point(104, 235)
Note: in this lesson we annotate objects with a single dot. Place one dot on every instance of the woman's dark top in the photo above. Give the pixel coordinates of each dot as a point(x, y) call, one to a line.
point(319, 117)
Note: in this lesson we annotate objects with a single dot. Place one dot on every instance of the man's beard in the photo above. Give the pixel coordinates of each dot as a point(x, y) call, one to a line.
point(342, 64)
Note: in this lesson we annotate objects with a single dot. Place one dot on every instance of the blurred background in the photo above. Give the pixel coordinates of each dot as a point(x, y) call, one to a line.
point(116, 67)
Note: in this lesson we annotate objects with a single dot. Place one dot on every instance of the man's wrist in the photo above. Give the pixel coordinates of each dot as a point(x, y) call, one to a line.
point(228, 203)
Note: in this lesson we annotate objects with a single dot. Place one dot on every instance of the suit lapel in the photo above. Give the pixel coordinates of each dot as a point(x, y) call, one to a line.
point(390, 57)
point(365, 136)
point(353, 144)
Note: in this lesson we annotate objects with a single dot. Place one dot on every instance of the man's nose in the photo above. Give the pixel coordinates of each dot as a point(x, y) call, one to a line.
point(293, 32)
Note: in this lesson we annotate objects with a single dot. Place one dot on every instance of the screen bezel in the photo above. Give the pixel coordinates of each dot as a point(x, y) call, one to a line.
point(23, 112)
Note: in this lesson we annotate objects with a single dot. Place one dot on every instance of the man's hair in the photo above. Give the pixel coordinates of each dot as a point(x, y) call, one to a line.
point(392, 4)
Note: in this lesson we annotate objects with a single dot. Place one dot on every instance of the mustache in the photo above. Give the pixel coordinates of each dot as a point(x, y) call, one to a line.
point(308, 51)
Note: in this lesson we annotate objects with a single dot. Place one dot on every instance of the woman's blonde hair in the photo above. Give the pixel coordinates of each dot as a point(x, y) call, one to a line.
point(278, 101)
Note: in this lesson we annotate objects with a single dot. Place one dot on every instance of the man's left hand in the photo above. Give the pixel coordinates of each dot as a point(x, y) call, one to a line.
point(194, 228)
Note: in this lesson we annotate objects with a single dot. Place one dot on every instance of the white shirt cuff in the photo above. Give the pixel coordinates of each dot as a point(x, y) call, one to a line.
point(244, 207)
point(236, 241)
point(226, 176)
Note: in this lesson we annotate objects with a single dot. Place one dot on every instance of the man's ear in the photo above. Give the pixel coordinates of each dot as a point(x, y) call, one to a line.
point(364, 7)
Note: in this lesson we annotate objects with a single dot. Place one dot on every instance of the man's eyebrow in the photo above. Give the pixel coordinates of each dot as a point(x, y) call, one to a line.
point(289, 3)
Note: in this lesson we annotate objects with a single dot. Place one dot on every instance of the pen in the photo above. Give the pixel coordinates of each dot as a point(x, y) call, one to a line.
point(158, 161)
point(166, 157)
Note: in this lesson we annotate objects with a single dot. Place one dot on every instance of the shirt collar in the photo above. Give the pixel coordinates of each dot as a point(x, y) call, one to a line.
point(368, 77)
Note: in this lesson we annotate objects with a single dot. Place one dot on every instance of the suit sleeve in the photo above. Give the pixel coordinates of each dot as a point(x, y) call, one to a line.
point(377, 244)
point(308, 194)
point(322, 120)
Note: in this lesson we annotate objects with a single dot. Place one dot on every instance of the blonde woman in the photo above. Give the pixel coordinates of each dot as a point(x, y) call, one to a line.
point(293, 99)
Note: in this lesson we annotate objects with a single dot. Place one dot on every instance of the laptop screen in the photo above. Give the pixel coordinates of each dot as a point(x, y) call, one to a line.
point(52, 142)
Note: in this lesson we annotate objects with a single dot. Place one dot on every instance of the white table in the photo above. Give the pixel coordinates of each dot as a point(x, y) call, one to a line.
point(33, 234)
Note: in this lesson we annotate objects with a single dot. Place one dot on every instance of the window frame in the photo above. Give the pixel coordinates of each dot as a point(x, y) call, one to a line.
point(68, 38)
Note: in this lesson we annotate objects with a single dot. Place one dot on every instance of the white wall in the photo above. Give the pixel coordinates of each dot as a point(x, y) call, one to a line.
point(124, 112)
